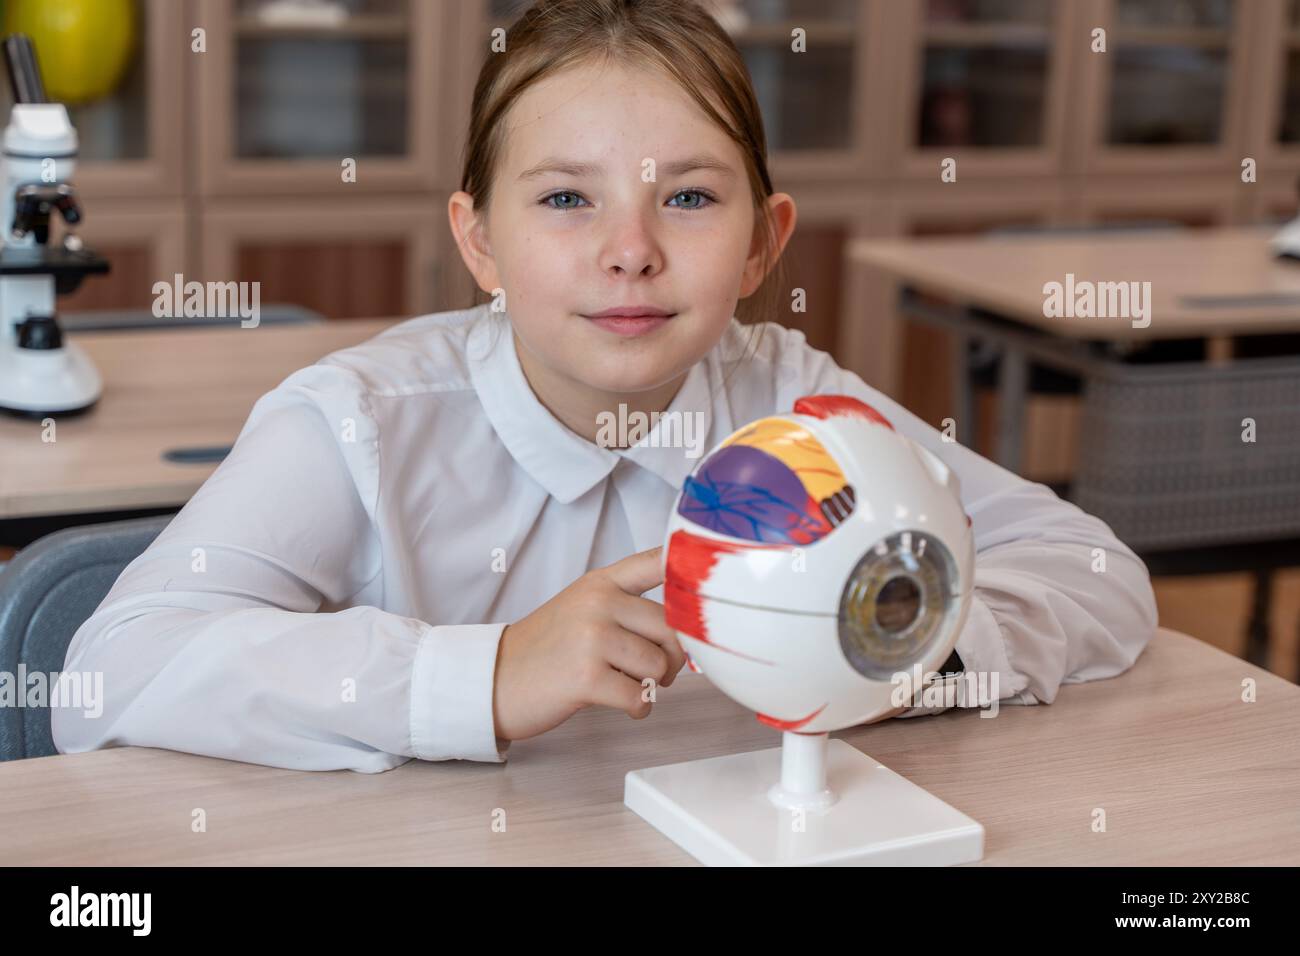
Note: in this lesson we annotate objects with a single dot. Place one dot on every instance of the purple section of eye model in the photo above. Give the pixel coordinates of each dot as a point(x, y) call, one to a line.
point(746, 493)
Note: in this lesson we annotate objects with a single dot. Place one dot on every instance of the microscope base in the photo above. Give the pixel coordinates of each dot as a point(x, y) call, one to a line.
point(35, 383)
point(718, 810)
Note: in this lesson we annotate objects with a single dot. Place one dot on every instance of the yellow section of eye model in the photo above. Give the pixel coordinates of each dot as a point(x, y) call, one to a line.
point(796, 447)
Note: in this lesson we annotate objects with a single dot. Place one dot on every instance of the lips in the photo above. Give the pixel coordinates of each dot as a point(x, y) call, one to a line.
point(631, 321)
point(631, 312)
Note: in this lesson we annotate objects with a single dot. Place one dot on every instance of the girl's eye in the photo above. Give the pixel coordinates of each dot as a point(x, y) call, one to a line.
point(702, 199)
point(547, 200)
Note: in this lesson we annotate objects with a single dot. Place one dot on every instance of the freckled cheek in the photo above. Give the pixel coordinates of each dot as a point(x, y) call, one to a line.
point(714, 263)
point(542, 269)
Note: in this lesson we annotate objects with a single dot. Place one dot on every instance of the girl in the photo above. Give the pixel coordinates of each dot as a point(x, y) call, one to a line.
point(423, 547)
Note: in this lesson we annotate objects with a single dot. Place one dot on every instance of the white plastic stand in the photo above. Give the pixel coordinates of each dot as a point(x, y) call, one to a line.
point(809, 802)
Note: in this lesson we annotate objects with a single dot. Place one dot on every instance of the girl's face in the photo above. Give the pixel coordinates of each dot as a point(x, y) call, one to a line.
point(614, 189)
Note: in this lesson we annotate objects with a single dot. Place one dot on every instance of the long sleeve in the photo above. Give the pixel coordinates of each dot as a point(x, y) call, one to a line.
point(231, 635)
point(1058, 598)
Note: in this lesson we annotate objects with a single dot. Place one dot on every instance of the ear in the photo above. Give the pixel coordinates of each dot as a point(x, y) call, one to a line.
point(469, 229)
point(783, 215)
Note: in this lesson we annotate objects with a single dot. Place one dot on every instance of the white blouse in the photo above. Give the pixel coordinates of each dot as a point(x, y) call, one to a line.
point(333, 595)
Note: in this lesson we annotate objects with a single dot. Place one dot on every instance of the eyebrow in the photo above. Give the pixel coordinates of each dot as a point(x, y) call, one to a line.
point(577, 169)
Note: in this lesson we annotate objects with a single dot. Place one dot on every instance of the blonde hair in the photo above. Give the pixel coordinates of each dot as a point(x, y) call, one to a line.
point(679, 38)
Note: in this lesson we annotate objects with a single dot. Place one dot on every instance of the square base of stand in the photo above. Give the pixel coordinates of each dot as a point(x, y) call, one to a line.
point(718, 811)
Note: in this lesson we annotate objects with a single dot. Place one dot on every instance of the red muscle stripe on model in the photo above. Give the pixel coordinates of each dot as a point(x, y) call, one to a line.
point(690, 561)
point(829, 406)
point(789, 724)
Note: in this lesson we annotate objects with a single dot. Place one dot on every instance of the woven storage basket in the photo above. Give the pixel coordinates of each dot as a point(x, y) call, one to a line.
point(1162, 460)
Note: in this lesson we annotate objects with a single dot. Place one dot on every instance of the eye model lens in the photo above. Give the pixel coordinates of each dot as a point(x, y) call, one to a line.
point(896, 604)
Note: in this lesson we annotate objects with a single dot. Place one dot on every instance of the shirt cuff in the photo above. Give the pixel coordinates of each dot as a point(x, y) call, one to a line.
point(452, 681)
point(983, 650)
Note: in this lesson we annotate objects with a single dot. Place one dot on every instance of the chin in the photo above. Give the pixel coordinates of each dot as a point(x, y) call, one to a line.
point(636, 364)
point(626, 377)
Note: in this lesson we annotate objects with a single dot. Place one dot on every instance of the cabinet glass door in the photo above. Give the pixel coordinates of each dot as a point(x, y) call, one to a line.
point(985, 72)
point(320, 79)
point(106, 93)
point(806, 98)
point(117, 67)
point(1171, 61)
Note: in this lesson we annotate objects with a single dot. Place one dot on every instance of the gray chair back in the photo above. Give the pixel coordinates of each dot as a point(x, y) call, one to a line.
point(47, 591)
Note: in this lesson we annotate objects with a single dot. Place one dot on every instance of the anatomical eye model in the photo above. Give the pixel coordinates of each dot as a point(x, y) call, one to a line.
point(811, 560)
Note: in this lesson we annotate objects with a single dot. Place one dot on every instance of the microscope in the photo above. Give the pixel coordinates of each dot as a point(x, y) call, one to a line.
point(1286, 243)
point(40, 373)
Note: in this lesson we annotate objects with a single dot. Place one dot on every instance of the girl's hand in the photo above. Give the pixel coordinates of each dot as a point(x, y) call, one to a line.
point(593, 643)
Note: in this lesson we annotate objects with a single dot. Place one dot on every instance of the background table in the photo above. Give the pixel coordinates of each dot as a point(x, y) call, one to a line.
point(1221, 285)
point(162, 390)
point(1205, 283)
point(1187, 773)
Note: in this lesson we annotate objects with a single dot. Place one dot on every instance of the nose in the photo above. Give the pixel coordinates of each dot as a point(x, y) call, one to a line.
point(631, 247)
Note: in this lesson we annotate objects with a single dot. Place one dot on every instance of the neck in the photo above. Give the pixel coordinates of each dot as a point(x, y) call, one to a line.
point(579, 407)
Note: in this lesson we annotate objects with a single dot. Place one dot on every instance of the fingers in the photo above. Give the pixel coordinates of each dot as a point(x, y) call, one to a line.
point(639, 645)
point(637, 573)
point(635, 656)
point(621, 692)
point(645, 618)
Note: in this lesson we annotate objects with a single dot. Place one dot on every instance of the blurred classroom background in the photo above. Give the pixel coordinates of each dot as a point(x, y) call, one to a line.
point(224, 164)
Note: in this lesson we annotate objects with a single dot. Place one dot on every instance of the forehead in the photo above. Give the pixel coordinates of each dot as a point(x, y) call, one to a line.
point(596, 110)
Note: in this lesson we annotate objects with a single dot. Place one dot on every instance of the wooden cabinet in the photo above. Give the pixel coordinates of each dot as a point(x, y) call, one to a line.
point(1193, 199)
point(130, 175)
point(317, 158)
point(1273, 135)
point(131, 141)
point(1286, 113)
point(983, 83)
point(222, 156)
point(1170, 90)
point(229, 162)
point(811, 64)
point(284, 105)
point(351, 258)
point(144, 239)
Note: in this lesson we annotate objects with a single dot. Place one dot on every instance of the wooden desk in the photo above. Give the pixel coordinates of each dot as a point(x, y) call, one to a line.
point(1187, 773)
point(1187, 269)
point(162, 390)
point(1203, 282)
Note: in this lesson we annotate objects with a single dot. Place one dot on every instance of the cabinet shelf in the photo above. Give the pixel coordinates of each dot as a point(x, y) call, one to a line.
point(823, 31)
point(362, 27)
point(986, 34)
point(1201, 38)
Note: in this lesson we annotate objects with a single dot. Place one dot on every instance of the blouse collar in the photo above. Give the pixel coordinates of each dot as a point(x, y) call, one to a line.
point(561, 461)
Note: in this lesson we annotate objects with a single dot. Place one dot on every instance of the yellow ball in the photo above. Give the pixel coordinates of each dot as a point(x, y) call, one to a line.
point(82, 46)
